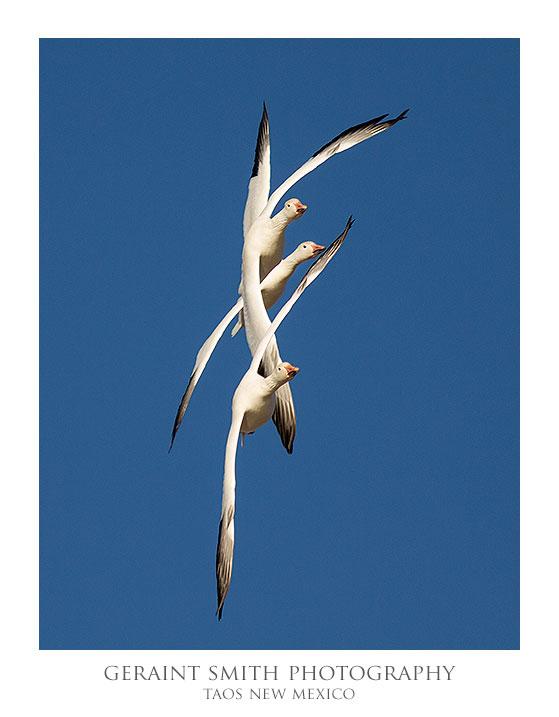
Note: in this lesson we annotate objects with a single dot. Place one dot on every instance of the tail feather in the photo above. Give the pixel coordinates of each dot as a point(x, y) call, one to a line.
point(284, 417)
point(284, 412)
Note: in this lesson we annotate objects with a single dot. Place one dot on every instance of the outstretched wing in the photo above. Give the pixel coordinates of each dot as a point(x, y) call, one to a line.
point(202, 359)
point(316, 268)
point(259, 184)
point(346, 139)
point(226, 537)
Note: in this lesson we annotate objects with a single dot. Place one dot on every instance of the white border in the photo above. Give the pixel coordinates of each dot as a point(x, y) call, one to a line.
point(72, 682)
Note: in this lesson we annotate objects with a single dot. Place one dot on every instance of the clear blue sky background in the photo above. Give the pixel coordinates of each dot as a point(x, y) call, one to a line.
point(394, 524)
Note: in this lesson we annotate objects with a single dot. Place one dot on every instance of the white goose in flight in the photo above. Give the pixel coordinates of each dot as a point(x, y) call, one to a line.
point(269, 242)
point(264, 242)
point(252, 407)
point(272, 287)
point(260, 206)
point(258, 191)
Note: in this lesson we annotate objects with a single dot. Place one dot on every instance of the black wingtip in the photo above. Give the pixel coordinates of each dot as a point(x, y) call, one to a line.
point(401, 116)
point(369, 123)
point(221, 599)
point(350, 222)
point(263, 135)
point(174, 433)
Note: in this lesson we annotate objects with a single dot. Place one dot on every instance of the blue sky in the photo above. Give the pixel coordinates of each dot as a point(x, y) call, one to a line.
point(394, 524)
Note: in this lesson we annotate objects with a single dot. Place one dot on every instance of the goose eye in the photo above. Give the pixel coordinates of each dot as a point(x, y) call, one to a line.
point(304, 246)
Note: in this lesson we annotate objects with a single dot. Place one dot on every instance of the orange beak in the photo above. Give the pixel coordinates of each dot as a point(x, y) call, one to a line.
point(316, 248)
point(301, 207)
point(291, 370)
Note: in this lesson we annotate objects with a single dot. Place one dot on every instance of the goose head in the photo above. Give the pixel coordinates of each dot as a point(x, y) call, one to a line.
point(284, 372)
point(294, 209)
point(307, 250)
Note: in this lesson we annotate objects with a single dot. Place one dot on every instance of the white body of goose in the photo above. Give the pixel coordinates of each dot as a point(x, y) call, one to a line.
point(265, 238)
point(272, 287)
point(253, 405)
point(263, 248)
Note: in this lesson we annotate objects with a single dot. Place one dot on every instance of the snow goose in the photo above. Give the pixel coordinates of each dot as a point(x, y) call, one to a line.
point(271, 242)
point(252, 407)
point(272, 287)
point(260, 206)
point(265, 239)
